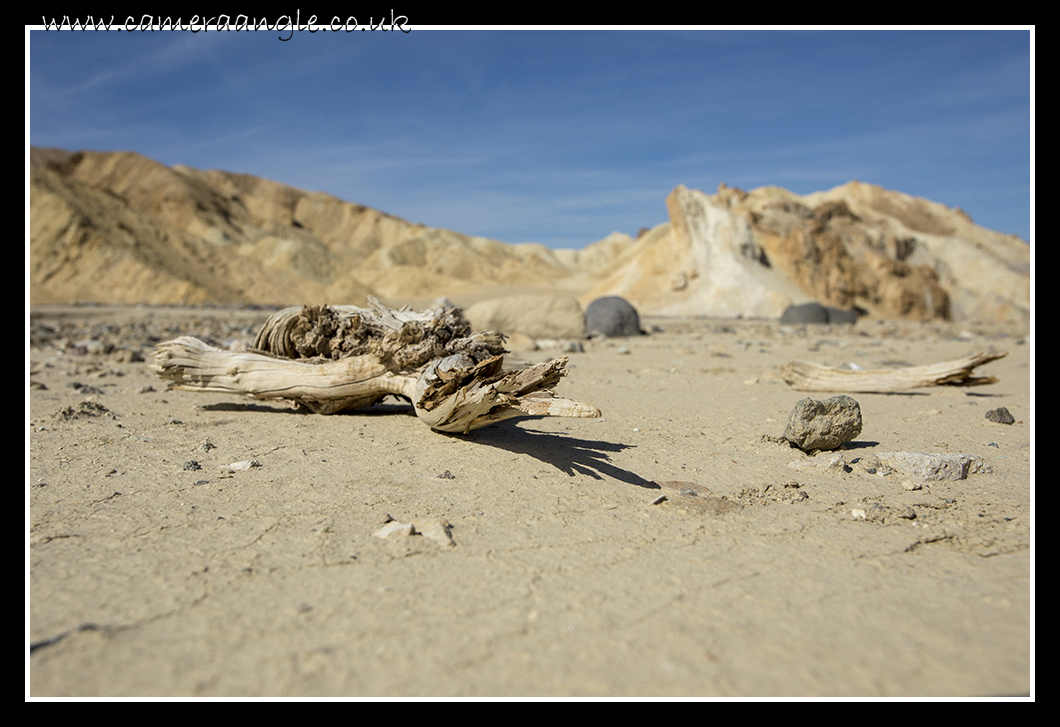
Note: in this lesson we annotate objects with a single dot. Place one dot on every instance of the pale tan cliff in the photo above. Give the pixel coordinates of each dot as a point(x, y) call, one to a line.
point(889, 254)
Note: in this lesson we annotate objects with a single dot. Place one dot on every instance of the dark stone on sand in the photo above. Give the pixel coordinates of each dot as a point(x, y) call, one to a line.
point(837, 315)
point(1000, 415)
point(806, 313)
point(817, 313)
point(612, 316)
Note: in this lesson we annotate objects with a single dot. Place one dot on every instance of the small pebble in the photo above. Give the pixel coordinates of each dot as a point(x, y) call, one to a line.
point(1000, 415)
point(241, 466)
point(87, 390)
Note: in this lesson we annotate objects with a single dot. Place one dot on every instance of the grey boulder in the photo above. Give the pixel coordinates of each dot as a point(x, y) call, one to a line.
point(817, 313)
point(612, 316)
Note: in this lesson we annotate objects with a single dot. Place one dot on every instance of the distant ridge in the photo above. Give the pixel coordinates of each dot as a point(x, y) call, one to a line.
point(117, 227)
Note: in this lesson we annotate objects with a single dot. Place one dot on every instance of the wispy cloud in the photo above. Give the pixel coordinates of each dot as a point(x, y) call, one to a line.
point(555, 136)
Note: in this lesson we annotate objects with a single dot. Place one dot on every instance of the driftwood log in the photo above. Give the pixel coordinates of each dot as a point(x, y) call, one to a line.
point(804, 376)
point(332, 358)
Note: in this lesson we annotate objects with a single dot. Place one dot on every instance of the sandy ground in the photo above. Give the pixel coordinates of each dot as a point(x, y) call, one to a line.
point(568, 576)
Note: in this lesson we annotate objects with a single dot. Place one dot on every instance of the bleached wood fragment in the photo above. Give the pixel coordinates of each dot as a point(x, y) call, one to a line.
point(329, 359)
point(455, 395)
point(805, 376)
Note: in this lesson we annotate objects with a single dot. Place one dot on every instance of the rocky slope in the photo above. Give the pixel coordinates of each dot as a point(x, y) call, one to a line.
point(116, 227)
point(121, 228)
point(856, 246)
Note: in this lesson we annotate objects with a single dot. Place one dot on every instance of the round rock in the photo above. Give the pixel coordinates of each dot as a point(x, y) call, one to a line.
point(1001, 415)
point(806, 313)
point(612, 316)
point(821, 425)
point(817, 313)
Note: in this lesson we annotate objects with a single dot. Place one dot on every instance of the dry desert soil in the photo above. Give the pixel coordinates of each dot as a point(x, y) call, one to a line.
point(558, 565)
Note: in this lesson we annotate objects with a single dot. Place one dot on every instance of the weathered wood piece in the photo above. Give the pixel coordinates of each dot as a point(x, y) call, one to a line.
point(805, 376)
point(332, 358)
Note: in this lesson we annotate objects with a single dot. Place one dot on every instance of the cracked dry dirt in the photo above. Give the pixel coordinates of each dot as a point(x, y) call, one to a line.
point(154, 570)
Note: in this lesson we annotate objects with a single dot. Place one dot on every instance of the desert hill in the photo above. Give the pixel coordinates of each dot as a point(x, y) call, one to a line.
point(117, 227)
point(121, 228)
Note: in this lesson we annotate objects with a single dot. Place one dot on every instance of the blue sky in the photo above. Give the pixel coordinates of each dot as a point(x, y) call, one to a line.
point(558, 136)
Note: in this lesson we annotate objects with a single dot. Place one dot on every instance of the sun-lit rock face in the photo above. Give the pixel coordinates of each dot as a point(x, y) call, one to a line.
point(856, 246)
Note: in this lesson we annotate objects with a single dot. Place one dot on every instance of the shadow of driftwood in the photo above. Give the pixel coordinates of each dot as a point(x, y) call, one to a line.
point(570, 455)
point(272, 408)
point(567, 454)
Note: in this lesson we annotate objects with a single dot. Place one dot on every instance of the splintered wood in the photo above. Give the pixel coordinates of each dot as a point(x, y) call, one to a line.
point(332, 358)
point(804, 376)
